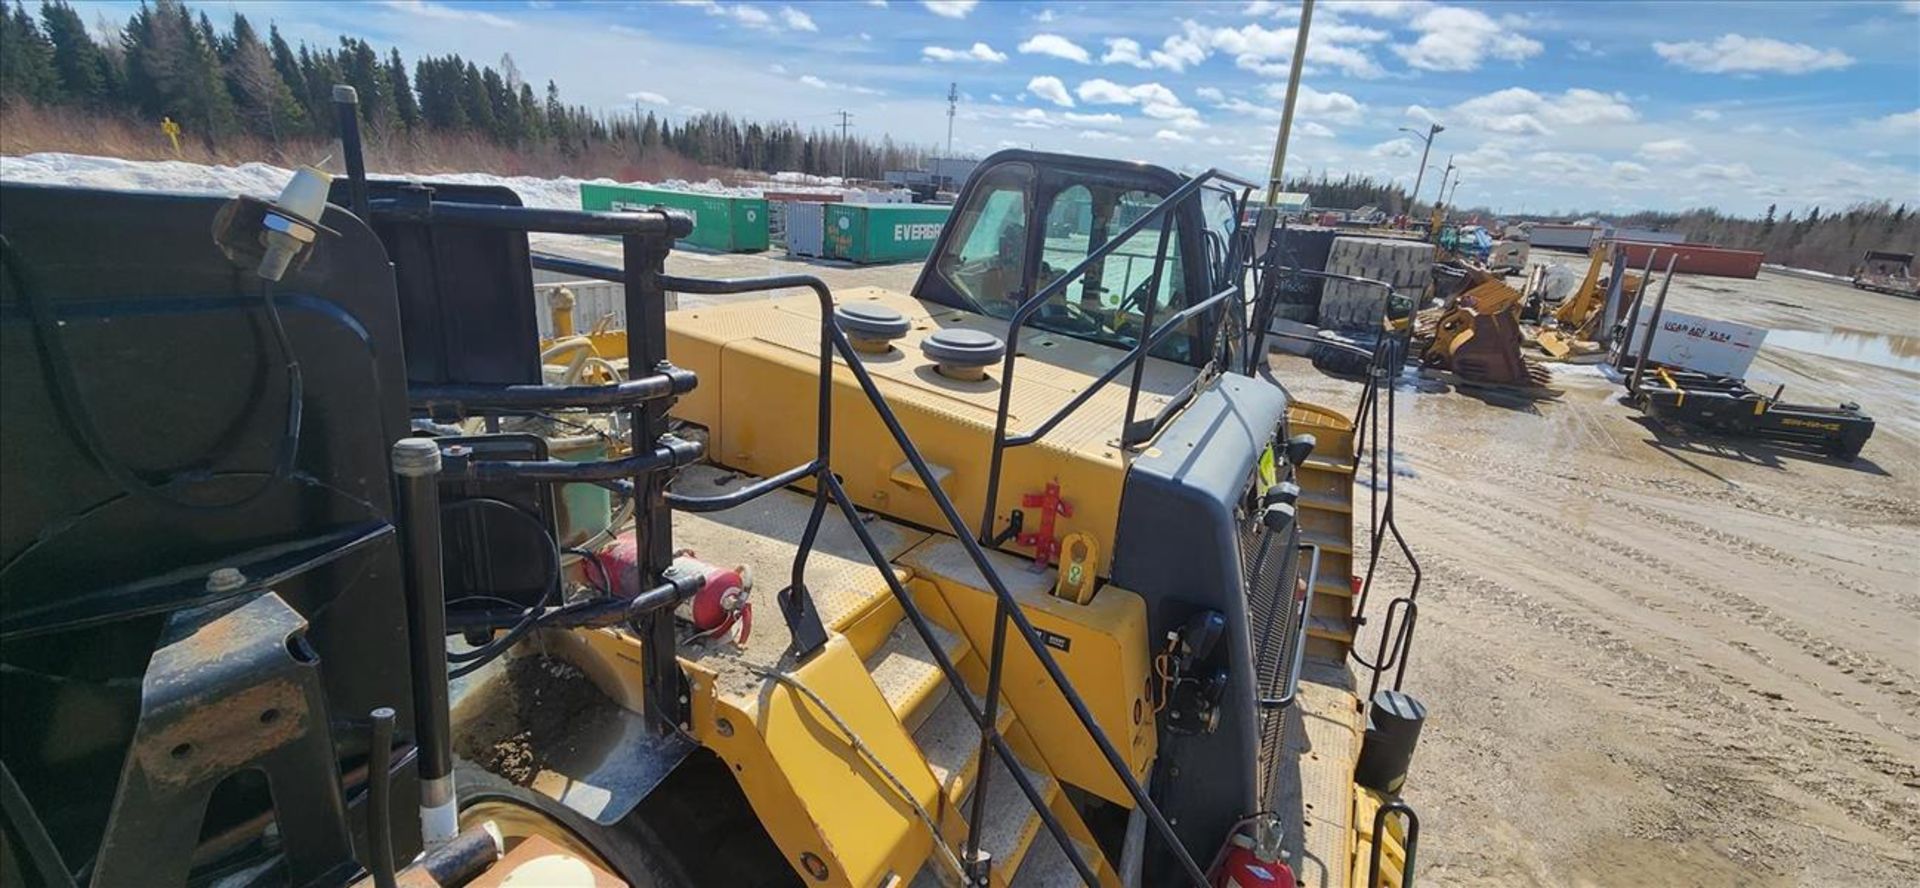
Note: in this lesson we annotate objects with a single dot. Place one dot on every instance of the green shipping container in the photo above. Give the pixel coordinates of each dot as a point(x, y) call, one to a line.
point(727, 224)
point(875, 233)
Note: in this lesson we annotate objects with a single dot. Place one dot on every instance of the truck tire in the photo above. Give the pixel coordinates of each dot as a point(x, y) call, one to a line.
point(630, 847)
point(1406, 265)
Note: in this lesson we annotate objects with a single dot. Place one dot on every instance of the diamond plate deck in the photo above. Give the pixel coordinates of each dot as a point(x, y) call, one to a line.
point(1323, 745)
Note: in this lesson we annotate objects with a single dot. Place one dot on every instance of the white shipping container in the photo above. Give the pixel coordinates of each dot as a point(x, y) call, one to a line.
point(1563, 237)
point(806, 228)
point(1649, 236)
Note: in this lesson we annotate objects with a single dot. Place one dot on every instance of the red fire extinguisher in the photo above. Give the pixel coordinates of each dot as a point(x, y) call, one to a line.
point(1255, 859)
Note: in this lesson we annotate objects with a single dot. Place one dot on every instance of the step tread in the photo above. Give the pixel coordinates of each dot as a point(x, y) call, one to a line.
point(906, 673)
point(1047, 866)
point(1326, 502)
point(1328, 541)
point(1010, 820)
point(1327, 464)
point(1331, 627)
point(950, 742)
point(1337, 586)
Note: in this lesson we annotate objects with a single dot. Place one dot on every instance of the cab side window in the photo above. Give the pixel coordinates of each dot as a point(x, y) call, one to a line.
point(985, 260)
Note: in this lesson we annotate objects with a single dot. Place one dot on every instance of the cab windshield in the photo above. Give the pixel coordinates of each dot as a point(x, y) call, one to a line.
point(986, 260)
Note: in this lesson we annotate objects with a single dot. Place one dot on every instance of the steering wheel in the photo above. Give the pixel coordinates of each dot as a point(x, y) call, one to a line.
point(1067, 317)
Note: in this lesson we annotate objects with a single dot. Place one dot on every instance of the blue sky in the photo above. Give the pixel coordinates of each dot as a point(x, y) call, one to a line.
point(1546, 105)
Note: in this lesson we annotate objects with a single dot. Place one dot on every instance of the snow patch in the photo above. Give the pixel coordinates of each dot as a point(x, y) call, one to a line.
point(265, 180)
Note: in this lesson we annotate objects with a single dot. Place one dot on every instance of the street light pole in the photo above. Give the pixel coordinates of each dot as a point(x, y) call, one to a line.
point(1433, 129)
point(1275, 175)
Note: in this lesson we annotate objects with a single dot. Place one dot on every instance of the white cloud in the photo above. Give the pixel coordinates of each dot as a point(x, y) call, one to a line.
point(1393, 148)
point(1667, 150)
point(1736, 54)
point(979, 52)
point(1454, 38)
point(1210, 93)
point(1422, 115)
point(1122, 51)
point(1051, 89)
point(1032, 118)
point(1155, 101)
point(953, 9)
point(1171, 136)
point(819, 83)
point(1045, 16)
point(1706, 114)
point(797, 20)
point(1628, 171)
point(1337, 107)
point(1311, 128)
point(1520, 111)
point(1269, 51)
point(1724, 172)
point(1237, 105)
point(1057, 46)
point(648, 98)
point(1103, 119)
point(1902, 123)
point(1176, 53)
point(448, 13)
point(1560, 164)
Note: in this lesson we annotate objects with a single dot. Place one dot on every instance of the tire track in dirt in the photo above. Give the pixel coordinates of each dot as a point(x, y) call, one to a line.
point(1633, 673)
point(1868, 671)
point(1514, 470)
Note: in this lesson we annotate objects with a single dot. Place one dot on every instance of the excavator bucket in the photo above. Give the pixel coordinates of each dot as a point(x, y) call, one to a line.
point(1479, 338)
point(1488, 350)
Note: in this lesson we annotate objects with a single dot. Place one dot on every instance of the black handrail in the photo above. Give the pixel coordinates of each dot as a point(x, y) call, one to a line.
point(828, 486)
point(1411, 846)
point(1139, 352)
point(1292, 691)
point(1396, 656)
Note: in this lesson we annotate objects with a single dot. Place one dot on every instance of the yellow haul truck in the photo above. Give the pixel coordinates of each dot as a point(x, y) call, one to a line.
point(1033, 576)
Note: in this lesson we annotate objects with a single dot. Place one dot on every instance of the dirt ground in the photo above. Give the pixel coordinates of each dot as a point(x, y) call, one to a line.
point(1665, 659)
point(1652, 657)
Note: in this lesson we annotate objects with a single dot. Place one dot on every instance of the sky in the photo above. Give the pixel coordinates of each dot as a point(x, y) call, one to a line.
point(1545, 106)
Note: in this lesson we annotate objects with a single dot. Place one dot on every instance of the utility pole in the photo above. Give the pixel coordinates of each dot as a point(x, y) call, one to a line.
point(953, 106)
point(845, 122)
point(1278, 173)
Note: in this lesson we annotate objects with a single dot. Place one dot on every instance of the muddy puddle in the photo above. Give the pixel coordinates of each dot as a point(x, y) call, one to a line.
point(1891, 351)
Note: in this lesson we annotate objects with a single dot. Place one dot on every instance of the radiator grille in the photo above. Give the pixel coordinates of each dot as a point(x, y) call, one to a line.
point(1273, 618)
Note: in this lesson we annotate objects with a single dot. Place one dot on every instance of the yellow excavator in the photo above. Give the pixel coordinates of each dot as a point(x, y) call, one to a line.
point(1035, 575)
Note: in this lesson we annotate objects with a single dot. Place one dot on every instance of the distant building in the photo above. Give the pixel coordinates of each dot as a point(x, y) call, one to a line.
point(942, 174)
point(1293, 203)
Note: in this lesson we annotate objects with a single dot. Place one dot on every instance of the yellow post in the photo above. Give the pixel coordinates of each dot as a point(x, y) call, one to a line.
point(560, 303)
point(173, 133)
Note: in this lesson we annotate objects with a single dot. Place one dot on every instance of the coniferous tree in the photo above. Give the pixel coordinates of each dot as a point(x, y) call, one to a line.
point(26, 57)
point(404, 102)
point(77, 60)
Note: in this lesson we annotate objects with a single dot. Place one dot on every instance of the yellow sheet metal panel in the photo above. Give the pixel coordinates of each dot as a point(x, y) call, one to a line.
point(701, 354)
point(1102, 647)
point(758, 364)
point(810, 787)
